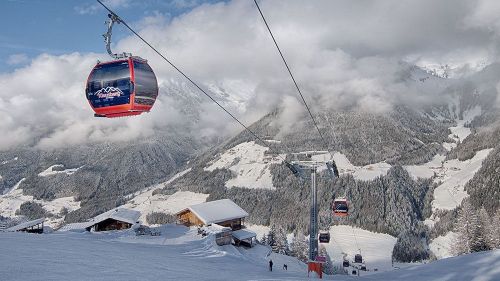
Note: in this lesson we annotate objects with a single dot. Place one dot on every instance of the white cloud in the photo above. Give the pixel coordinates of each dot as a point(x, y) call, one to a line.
point(93, 8)
point(343, 54)
point(17, 59)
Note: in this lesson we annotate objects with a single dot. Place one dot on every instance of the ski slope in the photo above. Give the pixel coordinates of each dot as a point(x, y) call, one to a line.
point(376, 247)
point(180, 254)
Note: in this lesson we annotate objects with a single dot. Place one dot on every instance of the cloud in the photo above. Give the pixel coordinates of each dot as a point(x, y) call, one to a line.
point(344, 54)
point(93, 8)
point(16, 59)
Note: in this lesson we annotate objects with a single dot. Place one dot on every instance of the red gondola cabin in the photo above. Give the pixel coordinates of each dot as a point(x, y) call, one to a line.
point(122, 88)
point(340, 207)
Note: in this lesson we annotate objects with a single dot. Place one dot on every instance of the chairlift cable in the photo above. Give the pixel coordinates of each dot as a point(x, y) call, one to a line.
point(190, 80)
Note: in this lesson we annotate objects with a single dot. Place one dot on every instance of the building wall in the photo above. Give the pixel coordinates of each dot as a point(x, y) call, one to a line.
point(189, 219)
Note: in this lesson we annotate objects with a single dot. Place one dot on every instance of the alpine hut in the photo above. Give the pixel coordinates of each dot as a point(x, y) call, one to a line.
point(223, 212)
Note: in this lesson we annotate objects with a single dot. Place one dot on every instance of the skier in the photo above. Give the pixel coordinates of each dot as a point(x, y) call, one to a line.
point(270, 265)
point(285, 267)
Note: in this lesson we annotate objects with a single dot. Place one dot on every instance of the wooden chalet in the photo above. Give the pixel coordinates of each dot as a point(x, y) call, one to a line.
point(34, 226)
point(222, 212)
point(115, 219)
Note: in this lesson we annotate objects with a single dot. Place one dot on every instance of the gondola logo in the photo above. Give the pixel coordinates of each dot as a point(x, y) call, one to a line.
point(108, 92)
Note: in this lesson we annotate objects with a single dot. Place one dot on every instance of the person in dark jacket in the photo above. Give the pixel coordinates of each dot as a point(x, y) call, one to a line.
point(285, 267)
point(270, 265)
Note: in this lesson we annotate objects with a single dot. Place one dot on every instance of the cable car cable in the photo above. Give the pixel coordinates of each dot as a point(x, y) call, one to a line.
point(293, 78)
point(189, 79)
point(299, 92)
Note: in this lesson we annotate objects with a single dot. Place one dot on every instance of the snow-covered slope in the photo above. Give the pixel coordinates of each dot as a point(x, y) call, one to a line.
point(14, 198)
point(376, 248)
point(249, 162)
point(180, 254)
point(145, 202)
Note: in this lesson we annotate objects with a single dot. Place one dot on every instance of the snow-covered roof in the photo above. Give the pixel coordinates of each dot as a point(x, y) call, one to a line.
point(26, 225)
point(120, 214)
point(243, 234)
point(217, 211)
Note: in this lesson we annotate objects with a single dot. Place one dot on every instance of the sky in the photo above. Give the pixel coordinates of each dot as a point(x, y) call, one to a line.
point(344, 54)
point(59, 27)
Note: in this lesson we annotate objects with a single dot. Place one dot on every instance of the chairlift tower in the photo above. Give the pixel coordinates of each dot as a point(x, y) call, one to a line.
point(305, 169)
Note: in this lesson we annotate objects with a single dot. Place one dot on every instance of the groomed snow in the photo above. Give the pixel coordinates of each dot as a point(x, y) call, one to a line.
point(376, 248)
point(180, 254)
point(249, 162)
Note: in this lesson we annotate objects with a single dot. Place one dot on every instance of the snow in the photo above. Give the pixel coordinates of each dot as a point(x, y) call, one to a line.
point(243, 234)
point(14, 198)
point(26, 224)
point(484, 266)
point(260, 230)
point(249, 163)
point(50, 171)
point(218, 211)
point(376, 248)
point(453, 176)
point(366, 173)
point(441, 245)
point(428, 169)
point(180, 254)
point(145, 202)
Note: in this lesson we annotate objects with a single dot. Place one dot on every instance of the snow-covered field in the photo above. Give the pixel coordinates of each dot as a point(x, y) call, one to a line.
point(376, 248)
point(250, 164)
point(14, 198)
point(453, 177)
point(180, 254)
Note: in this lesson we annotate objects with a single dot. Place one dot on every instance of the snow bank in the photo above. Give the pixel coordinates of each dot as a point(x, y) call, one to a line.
point(249, 162)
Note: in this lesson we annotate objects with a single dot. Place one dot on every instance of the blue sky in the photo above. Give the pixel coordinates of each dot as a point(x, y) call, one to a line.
point(33, 27)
